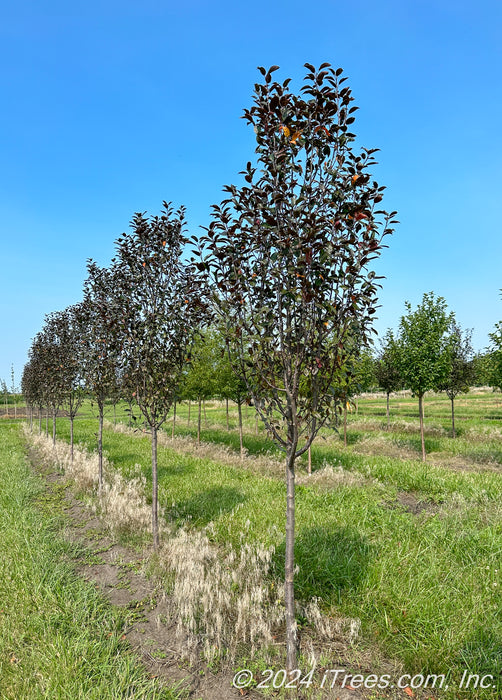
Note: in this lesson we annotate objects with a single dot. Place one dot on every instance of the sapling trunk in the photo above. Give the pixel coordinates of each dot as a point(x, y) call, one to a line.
point(388, 412)
point(54, 413)
point(228, 422)
point(289, 591)
point(47, 423)
point(174, 420)
point(453, 417)
point(189, 404)
point(199, 421)
point(345, 425)
point(421, 413)
point(239, 407)
point(100, 447)
point(309, 468)
point(155, 491)
point(71, 437)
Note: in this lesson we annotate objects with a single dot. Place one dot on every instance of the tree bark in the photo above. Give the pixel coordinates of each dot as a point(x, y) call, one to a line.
point(256, 423)
point(155, 491)
point(174, 420)
point(199, 421)
point(114, 414)
point(100, 447)
point(453, 418)
point(388, 412)
point(239, 407)
point(228, 422)
point(47, 423)
point(289, 591)
point(421, 413)
point(71, 438)
point(345, 425)
point(309, 468)
point(54, 413)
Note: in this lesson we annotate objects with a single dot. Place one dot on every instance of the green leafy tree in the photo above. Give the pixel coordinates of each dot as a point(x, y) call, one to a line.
point(387, 369)
point(101, 341)
point(460, 372)
point(495, 371)
point(423, 349)
point(288, 253)
point(162, 307)
point(482, 364)
point(200, 382)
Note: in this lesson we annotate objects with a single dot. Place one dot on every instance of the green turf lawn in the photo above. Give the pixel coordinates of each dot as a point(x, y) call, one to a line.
point(58, 637)
point(426, 586)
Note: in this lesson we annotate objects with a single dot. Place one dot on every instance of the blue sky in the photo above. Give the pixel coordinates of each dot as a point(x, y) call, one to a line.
point(111, 107)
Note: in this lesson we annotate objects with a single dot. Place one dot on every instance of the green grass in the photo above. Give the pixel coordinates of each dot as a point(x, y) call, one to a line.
point(426, 587)
point(58, 637)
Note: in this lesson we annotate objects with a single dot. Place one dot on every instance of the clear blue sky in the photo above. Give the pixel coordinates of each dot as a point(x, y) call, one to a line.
point(111, 107)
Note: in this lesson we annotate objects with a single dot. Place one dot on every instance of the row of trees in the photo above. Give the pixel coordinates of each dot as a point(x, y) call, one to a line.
point(283, 275)
point(283, 272)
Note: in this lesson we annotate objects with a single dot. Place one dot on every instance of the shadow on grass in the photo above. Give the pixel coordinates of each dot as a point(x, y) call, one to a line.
point(482, 654)
point(255, 445)
point(330, 561)
point(208, 505)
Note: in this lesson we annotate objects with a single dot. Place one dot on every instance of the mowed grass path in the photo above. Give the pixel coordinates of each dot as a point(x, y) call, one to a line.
point(58, 637)
point(426, 587)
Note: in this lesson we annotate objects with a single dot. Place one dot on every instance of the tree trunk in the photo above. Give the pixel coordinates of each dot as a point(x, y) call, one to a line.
point(453, 418)
point(204, 406)
point(239, 407)
point(31, 419)
point(189, 404)
point(256, 423)
point(388, 412)
point(114, 414)
point(309, 468)
point(357, 405)
point(47, 423)
point(174, 420)
point(345, 425)
point(199, 421)
point(40, 421)
point(54, 413)
point(228, 422)
point(421, 413)
point(289, 570)
point(155, 491)
point(100, 447)
point(71, 437)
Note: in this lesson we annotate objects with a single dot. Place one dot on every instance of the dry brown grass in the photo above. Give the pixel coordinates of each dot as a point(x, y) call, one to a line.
point(223, 601)
point(122, 502)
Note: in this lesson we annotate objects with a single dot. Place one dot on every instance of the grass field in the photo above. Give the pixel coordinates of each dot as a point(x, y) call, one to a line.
point(58, 638)
point(412, 549)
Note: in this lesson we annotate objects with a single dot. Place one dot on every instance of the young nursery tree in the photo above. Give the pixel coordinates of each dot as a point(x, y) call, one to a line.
point(288, 253)
point(423, 349)
point(200, 379)
point(387, 368)
point(101, 339)
point(162, 306)
point(460, 372)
